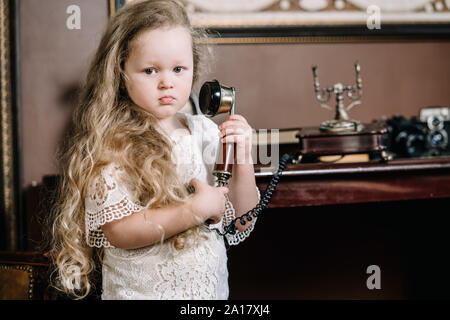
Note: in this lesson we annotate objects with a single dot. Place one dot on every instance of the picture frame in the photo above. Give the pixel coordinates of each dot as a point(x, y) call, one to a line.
point(11, 215)
point(289, 21)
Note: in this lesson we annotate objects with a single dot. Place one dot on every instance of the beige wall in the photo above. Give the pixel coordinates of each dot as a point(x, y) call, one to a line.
point(274, 82)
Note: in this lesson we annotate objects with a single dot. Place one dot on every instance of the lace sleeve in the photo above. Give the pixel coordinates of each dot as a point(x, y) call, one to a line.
point(107, 200)
point(230, 214)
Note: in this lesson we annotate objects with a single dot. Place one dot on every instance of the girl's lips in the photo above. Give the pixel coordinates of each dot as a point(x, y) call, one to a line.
point(166, 99)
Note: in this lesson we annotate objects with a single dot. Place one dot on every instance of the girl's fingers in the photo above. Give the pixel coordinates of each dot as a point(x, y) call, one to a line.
point(226, 128)
point(232, 130)
point(235, 138)
point(234, 120)
point(237, 117)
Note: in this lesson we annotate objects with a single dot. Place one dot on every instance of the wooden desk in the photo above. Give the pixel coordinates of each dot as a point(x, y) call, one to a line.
point(327, 223)
point(322, 252)
point(345, 183)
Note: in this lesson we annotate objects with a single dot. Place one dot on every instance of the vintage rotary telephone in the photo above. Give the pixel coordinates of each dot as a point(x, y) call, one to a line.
point(216, 99)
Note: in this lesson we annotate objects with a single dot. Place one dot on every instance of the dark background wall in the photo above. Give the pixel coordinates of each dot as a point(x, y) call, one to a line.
point(53, 63)
point(322, 253)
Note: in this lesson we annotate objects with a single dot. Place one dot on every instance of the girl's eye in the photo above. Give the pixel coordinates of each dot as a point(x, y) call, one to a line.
point(149, 71)
point(178, 69)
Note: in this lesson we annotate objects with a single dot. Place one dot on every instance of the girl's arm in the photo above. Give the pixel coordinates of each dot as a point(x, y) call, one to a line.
point(243, 192)
point(150, 226)
point(242, 185)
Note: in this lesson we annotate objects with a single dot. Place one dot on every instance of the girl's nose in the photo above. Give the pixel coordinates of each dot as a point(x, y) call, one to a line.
point(165, 82)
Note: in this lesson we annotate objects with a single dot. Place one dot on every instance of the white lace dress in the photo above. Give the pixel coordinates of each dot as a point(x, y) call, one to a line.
point(160, 271)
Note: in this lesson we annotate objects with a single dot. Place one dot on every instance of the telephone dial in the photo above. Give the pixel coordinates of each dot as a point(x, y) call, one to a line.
point(216, 99)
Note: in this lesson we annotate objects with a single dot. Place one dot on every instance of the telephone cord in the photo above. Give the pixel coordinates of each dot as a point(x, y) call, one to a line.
point(264, 201)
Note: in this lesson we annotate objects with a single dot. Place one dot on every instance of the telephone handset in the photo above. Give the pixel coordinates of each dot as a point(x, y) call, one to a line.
point(216, 99)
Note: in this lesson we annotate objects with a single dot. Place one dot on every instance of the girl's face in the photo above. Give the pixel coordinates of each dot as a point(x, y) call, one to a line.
point(159, 70)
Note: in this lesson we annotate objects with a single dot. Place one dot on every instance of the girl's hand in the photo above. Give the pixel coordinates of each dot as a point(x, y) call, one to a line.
point(207, 202)
point(236, 129)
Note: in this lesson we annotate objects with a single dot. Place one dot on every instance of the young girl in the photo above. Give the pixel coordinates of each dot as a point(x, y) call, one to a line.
point(129, 159)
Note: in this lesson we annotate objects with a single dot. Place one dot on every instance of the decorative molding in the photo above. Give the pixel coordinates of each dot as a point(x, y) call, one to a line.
point(326, 19)
point(312, 5)
point(208, 13)
point(236, 13)
point(230, 5)
point(290, 18)
point(7, 130)
point(393, 6)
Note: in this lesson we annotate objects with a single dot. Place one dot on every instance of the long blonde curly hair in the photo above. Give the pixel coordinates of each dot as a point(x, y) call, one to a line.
point(107, 127)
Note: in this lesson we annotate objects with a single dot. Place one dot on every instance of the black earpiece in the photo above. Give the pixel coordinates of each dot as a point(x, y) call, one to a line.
point(215, 98)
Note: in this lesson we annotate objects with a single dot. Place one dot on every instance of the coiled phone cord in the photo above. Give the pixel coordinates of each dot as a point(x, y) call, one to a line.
point(264, 201)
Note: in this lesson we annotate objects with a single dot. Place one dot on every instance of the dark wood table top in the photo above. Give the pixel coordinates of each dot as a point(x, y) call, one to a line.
point(340, 183)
